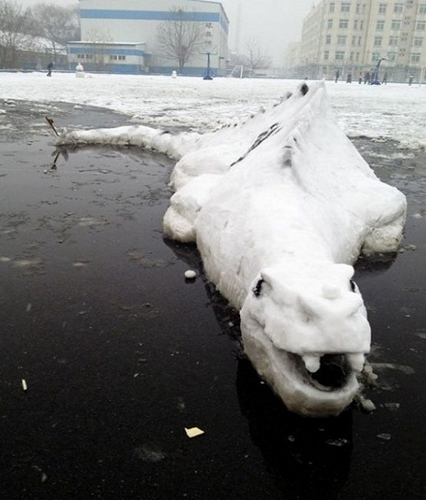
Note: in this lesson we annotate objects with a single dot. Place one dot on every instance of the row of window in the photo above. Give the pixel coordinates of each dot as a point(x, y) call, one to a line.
point(380, 25)
point(378, 40)
point(394, 41)
point(398, 7)
point(111, 57)
point(339, 55)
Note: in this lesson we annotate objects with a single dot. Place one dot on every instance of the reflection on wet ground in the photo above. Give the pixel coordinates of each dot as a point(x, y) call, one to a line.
point(120, 353)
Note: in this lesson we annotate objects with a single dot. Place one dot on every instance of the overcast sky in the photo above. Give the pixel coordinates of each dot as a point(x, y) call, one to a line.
point(273, 23)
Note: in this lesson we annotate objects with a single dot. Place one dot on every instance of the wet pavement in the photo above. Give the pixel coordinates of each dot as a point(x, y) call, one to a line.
point(120, 353)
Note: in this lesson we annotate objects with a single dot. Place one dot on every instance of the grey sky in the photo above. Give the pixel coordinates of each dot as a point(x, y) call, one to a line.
point(273, 23)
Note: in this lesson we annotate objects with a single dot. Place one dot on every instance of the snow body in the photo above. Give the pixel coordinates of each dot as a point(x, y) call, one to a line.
point(280, 208)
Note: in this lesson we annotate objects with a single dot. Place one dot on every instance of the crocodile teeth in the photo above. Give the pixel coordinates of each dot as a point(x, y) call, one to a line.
point(356, 361)
point(312, 362)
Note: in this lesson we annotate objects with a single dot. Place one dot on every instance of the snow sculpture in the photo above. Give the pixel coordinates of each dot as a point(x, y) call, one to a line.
point(280, 208)
point(79, 71)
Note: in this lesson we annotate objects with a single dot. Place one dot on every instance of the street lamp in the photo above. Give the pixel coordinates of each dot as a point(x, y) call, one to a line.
point(208, 76)
point(376, 72)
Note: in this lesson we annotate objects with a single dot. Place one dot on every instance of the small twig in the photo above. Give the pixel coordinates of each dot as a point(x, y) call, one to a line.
point(51, 122)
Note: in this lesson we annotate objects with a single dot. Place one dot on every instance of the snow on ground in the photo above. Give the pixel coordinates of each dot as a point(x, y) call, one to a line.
point(395, 111)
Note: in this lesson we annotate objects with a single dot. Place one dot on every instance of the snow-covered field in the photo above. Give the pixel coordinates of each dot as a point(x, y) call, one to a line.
point(395, 111)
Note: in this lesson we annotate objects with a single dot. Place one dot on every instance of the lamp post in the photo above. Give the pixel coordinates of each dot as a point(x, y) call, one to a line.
point(208, 76)
point(376, 72)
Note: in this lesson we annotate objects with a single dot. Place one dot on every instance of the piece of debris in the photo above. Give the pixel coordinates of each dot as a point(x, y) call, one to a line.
point(24, 384)
point(193, 432)
point(385, 436)
point(190, 274)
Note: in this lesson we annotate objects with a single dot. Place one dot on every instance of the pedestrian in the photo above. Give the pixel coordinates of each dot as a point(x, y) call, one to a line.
point(49, 69)
point(337, 75)
point(366, 77)
point(410, 80)
point(349, 78)
point(360, 78)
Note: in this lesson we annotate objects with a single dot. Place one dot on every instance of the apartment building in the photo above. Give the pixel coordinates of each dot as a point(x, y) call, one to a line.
point(359, 36)
point(121, 36)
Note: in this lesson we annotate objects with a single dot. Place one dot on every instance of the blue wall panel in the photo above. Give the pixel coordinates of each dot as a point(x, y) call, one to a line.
point(148, 15)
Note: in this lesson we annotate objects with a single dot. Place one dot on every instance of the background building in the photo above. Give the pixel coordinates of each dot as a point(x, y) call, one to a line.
point(353, 36)
point(122, 36)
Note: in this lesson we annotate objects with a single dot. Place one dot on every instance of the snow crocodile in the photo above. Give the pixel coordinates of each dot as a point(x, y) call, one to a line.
point(280, 207)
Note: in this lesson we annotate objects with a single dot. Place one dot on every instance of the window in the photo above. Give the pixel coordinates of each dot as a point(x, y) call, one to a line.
point(355, 24)
point(377, 41)
point(357, 56)
point(343, 23)
point(326, 55)
point(398, 7)
point(359, 40)
point(375, 56)
point(361, 25)
point(422, 8)
point(340, 55)
point(351, 56)
point(393, 41)
point(382, 8)
point(380, 25)
point(117, 58)
point(391, 56)
point(341, 40)
point(354, 40)
point(357, 8)
point(415, 58)
point(396, 25)
point(328, 39)
point(420, 25)
point(418, 41)
point(331, 7)
point(346, 7)
point(330, 23)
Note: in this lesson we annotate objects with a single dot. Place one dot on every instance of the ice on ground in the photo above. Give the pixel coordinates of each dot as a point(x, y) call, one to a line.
point(280, 206)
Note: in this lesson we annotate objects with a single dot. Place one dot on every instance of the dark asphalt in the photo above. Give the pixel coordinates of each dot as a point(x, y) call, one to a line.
point(120, 353)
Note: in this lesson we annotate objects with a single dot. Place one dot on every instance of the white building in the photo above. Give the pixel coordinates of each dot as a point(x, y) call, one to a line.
point(121, 36)
point(355, 36)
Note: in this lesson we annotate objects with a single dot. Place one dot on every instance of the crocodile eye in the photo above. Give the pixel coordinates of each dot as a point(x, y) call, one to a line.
point(258, 288)
point(353, 286)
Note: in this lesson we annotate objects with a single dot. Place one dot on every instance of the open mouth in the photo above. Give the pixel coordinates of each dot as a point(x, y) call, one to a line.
point(329, 372)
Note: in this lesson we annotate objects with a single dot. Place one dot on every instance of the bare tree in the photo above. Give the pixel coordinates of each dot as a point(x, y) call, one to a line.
point(181, 37)
point(14, 26)
point(56, 24)
point(256, 57)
